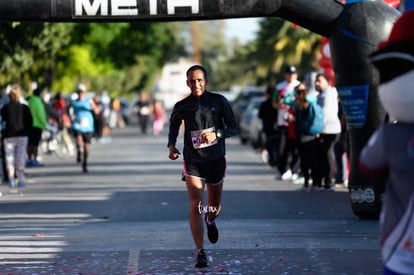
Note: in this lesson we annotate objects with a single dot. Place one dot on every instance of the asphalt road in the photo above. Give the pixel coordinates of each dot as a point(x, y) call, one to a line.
point(128, 215)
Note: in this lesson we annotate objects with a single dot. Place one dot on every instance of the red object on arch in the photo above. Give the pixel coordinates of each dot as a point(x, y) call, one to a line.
point(393, 3)
point(325, 61)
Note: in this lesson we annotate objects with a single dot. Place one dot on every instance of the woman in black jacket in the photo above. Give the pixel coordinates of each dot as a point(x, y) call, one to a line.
point(17, 122)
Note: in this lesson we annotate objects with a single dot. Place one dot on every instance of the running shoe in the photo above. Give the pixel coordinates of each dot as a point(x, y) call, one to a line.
point(84, 168)
point(201, 260)
point(305, 189)
point(21, 184)
point(299, 180)
point(212, 232)
point(35, 163)
point(287, 175)
point(29, 163)
point(12, 184)
point(316, 188)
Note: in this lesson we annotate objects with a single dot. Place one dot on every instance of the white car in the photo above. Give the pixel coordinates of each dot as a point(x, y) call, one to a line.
point(229, 95)
point(250, 123)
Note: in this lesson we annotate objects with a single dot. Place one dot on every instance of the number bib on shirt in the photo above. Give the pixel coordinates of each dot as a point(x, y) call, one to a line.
point(199, 141)
point(84, 122)
point(398, 248)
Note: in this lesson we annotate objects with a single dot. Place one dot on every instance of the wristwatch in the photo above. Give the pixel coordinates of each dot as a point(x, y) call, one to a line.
point(219, 134)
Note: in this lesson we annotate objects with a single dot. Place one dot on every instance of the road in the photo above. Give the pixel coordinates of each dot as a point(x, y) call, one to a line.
point(128, 215)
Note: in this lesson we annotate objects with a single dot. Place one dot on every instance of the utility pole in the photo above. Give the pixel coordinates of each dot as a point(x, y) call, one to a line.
point(195, 38)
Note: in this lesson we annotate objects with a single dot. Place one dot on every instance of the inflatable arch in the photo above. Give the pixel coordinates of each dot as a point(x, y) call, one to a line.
point(353, 29)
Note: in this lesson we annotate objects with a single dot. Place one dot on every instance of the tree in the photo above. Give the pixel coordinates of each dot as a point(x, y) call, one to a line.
point(120, 57)
point(282, 43)
point(126, 56)
point(28, 51)
point(260, 61)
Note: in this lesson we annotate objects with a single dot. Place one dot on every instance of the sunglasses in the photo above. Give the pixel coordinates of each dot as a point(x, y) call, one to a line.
point(300, 91)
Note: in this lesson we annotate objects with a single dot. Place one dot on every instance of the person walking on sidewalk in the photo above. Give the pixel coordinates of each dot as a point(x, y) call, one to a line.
point(328, 100)
point(208, 120)
point(144, 109)
point(17, 122)
point(284, 141)
point(268, 116)
point(305, 115)
point(38, 110)
point(159, 117)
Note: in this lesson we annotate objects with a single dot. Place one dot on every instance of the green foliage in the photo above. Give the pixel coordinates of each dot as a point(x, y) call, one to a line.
point(28, 50)
point(260, 62)
point(126, 58)
point(124, 55)
point(120, 57)
point(281, 43)
point(80, 66)
point(239, 68)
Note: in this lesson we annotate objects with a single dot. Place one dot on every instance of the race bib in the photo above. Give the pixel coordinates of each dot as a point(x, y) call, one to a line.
point(199, 141)
point(84, 122)
point(144, 111)
point(398, 249)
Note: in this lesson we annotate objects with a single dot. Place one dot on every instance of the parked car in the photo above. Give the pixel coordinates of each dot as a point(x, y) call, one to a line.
point(250, 124)
point(243, 98)
point(229, 95)
point(257, 135)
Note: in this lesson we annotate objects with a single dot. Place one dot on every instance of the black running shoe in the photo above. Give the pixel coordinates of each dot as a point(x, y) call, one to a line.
point(212, 232)
point(201, 259)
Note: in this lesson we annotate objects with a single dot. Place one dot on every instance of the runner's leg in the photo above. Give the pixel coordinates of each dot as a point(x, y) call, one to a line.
point(195, 188)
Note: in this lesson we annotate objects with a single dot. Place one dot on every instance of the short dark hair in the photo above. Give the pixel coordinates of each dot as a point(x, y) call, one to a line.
point(322, 75)
point(270, 90)
point(301, 84)
point(37, 92)
point(197, 67)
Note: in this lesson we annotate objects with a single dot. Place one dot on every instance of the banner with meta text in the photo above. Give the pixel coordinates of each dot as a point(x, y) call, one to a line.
point(133, 8)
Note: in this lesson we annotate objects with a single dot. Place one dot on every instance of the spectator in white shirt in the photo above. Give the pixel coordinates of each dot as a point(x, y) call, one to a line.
point(328, 100)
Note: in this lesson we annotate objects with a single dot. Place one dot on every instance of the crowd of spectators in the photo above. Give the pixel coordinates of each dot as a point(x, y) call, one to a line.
point(326, 151)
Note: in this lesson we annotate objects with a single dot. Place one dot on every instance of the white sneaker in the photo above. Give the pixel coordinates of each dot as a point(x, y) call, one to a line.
point(287, 175)
point(298, 180)
point(264, 155)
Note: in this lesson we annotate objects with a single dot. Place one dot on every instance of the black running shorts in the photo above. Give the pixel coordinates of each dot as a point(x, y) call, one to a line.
point(211, 172)
point(35, 135)
point(86, 136)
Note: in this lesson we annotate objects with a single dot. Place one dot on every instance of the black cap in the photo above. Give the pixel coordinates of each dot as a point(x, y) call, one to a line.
point(290, 69)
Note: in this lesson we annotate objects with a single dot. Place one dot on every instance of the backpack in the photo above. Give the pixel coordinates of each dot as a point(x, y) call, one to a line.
point(314, 122)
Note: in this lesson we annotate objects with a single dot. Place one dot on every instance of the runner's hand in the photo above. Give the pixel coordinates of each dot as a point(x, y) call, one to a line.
point(209, 137)
point(174, 153)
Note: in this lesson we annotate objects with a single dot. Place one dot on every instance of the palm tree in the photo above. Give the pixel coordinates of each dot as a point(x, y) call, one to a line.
point(280, 42)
